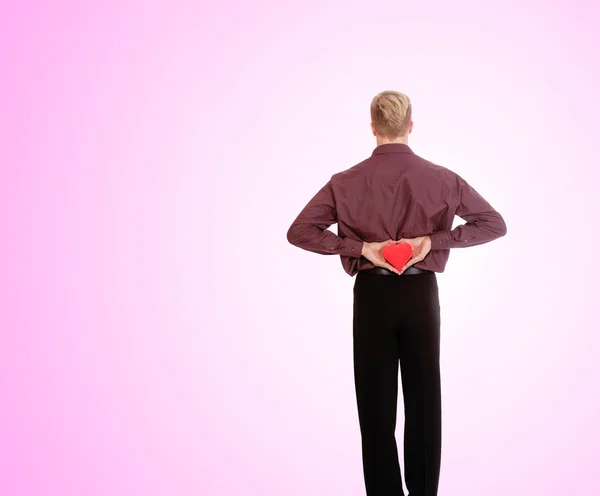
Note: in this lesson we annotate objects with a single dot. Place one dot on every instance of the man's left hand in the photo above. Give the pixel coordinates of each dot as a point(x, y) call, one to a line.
point(373, 252)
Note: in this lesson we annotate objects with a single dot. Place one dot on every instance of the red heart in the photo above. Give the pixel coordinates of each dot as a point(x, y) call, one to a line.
point(397, 254)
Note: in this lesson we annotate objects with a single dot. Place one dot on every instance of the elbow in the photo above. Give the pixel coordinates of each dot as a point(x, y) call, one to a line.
point(504, 230)
point(501, 229)
point(292, 235)
point(299, 235)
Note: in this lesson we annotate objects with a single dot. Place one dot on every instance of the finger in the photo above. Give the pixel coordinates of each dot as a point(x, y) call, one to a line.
point(394, 270)
point(411, 262)
point(390, 267)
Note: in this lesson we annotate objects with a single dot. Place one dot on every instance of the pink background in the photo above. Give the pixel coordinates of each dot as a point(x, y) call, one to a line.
point(159, 336)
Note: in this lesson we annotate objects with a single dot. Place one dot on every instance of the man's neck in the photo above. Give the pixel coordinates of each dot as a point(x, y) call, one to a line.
point(403, 140)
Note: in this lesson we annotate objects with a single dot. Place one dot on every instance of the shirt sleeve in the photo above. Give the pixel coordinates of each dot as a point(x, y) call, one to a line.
point(309, 230)
point(483, 223)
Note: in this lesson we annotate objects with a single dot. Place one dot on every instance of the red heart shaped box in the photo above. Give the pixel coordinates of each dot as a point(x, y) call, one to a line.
point(397, 254)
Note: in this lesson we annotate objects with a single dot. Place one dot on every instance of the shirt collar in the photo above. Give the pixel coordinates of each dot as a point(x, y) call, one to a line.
point(392, 148)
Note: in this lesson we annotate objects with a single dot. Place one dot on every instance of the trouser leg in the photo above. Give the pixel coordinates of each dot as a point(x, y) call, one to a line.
point(419, 346)
point(376, 382)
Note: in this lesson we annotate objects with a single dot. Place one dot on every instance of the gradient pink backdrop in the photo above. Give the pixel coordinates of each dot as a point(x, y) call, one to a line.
point(159, 336)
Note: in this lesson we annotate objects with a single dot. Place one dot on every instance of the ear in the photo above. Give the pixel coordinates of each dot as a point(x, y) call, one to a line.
point(373, 129)
point(411, 127)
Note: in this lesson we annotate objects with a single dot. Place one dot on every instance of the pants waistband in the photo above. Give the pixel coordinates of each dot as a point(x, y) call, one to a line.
point(384, 272)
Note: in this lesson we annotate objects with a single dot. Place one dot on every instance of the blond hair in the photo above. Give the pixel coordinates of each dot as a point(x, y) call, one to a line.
point(391, 114)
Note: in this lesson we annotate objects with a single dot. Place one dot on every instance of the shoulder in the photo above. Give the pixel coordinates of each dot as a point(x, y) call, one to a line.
point(429, 172)
point(356, 170)
point(433, 168)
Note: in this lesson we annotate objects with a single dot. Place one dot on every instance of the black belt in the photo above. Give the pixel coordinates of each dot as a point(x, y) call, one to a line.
point(384, 272)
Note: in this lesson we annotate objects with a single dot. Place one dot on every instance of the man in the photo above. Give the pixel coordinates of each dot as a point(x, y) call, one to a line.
point(396, 196)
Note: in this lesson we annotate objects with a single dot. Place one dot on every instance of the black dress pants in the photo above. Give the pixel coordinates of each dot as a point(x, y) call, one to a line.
point(397, 322)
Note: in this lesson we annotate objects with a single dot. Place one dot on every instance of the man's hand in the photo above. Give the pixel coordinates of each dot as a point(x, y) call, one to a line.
point(421, 247)
point(373, 252)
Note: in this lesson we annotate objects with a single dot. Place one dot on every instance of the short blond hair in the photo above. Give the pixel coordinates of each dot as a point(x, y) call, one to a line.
point(391, 114)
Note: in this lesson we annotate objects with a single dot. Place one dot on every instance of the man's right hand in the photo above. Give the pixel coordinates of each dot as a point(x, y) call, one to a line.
point(421, 247)
point(373, 252)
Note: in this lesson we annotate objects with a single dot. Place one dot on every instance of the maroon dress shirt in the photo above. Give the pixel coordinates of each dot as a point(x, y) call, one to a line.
point(394, 194)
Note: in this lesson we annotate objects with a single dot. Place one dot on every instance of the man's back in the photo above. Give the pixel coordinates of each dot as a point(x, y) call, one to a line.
point(396, 194)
